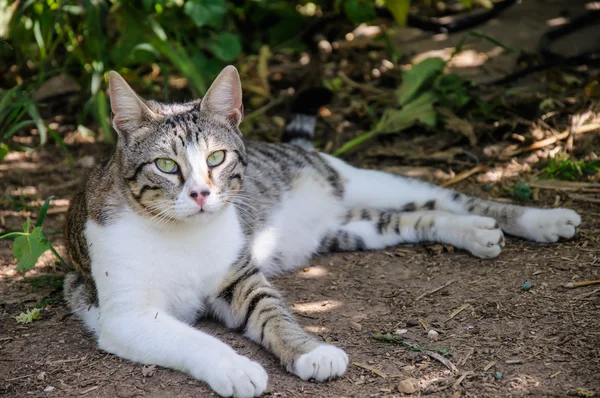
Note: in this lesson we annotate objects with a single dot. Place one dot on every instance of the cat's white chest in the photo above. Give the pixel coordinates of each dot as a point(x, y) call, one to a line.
point(172, 269)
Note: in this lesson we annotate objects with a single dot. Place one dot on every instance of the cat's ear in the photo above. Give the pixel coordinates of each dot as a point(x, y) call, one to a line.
point(129, 110)
point(225, 96)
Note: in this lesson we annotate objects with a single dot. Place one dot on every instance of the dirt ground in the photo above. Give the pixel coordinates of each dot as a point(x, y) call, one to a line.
point(501, 339)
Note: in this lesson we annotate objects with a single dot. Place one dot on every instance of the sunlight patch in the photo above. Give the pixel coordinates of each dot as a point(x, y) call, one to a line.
point(317, 306)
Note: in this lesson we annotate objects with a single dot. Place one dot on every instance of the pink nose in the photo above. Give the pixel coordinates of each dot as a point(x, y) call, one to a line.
point(201, 197)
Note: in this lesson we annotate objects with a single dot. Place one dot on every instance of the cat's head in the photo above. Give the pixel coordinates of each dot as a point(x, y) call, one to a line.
point(180, 161)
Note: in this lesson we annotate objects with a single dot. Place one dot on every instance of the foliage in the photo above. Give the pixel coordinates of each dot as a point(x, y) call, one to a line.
point(572, 170)
point(425, 93)
point(193, 38)
point(17, 111)
point(30, 244)
point(29, 316)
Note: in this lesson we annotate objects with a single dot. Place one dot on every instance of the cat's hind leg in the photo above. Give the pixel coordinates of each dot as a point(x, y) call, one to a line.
point(375, 189)
point(367, 229)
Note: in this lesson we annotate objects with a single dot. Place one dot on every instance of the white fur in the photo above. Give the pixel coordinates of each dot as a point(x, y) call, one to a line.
point(153, 284)
point(543, 225)
point(322, 363)
point(378, 190)
point(478, 235)
point(293, 234)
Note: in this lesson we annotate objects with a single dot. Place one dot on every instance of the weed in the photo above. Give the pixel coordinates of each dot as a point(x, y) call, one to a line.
point(30, 244)
point(572, 170)
point(29, 316)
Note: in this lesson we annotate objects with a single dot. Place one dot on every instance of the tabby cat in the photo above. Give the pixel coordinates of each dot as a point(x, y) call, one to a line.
point(186, 219)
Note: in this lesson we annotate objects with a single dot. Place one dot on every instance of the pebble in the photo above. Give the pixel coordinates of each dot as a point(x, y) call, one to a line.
point(49, 389)
point(412, 322)
point(399, 332)
point(408, 386)
point(433, 335)
point(41, 376)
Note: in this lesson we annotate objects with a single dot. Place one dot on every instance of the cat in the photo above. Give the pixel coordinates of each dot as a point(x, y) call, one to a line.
point(186, 218)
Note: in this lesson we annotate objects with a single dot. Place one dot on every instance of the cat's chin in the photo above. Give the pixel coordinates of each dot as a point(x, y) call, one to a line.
point(200, 216)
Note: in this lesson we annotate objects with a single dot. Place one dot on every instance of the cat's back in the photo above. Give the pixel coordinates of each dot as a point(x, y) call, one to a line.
point(89, 202)
point(274, 167)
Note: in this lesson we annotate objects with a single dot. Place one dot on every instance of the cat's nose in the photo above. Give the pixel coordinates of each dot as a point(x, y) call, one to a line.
point(200, 197)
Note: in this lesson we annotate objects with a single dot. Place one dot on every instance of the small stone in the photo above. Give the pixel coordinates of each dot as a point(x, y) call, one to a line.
point(412, 322)
point(400, 332)
point(408, 386)
point(526, 286)
point(49, 389)
point(41, 376)
point(433, 335)
point(356, 326)
point(498, 375)
point(148, 371)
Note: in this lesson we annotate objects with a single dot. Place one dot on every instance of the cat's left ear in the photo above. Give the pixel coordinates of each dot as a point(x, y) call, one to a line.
point(225, 96)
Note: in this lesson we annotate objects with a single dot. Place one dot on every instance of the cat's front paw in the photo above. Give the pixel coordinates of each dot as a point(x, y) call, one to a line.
point(482, 236)
point(323, 363)
point(237, 376)
point(549, 225)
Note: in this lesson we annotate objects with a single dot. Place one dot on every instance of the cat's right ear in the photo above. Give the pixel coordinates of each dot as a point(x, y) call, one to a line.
point(129, 110)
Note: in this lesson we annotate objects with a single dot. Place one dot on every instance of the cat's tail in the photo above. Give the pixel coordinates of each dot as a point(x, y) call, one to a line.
point(81, 298)
point(300, 127)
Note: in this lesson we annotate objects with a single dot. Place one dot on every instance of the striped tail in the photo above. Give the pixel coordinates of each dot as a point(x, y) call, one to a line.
point(300, 127)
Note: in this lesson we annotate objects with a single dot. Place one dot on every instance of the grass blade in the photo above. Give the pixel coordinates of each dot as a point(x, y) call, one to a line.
point(43, 211)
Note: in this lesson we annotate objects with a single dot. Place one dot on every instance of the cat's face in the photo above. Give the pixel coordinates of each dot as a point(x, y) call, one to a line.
point(180, 161)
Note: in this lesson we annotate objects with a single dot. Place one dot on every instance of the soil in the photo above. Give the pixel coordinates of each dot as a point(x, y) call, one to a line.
point(503, 339)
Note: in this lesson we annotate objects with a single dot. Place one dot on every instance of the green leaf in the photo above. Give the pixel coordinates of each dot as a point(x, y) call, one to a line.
point(43, 211)
point(415, 79)
point(3, 150)
point(27, 225)
point(39, 122)
point(205, 12)
point(27, 249)
point(419, 110)
point(226, 47)
point(399, 9)
point(359, 11)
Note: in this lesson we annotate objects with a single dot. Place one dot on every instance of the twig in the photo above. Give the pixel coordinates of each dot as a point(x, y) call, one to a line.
point(370, 368)
point(566, 185)
point(360, 86)
point(443, 360)
point(573, 285)
point(20, 377)
point(437, 289)
point(266, 107)
point(461, 378)
point(465, 174)
point(458, 311)
point(538, 144)
point(589, 294)
point(583, 198)
point(551, 140)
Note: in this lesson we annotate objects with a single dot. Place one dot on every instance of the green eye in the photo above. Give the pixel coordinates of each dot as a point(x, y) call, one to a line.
point(166, 165)
point(215, 158)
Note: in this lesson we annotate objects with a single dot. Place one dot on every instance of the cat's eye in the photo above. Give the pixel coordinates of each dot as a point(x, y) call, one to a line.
point(166, 165)
point(215, 158)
